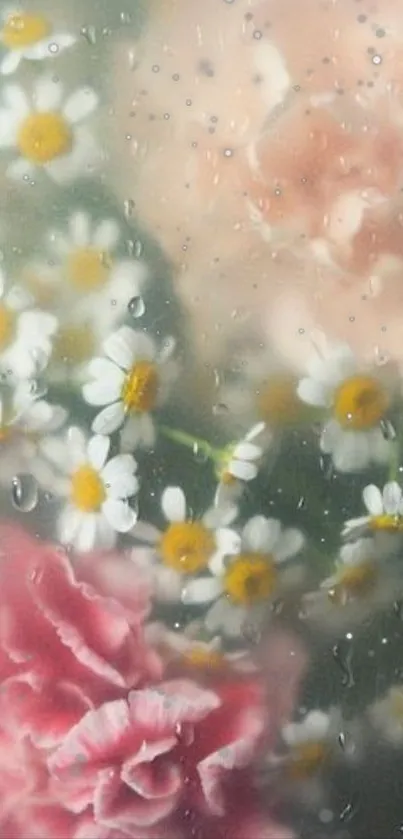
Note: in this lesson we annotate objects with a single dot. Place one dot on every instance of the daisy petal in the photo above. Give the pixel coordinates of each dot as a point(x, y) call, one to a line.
point(80, 229)
point(243, 471)
point(392, 498)
point(312, 392)
point(119, 515)
point(47, 94)
point(201, 591)
point(228, 541)
point(117, 466)
point(10, 62)
point(80, 104)
point(108, 420)
point(69, 524)
point(120, 347)
point(173, 503)
point(373, 500)
point(289, 544)
point(257, 535)
point(104, 391)
point(247, 451)
point(106, 235)
point(85, 538)
point(98, 448)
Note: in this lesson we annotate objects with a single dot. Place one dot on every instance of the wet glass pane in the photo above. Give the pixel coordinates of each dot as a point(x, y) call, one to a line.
point(201, 433)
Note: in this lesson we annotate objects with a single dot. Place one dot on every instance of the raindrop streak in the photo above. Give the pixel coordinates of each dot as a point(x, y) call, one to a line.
point(343, 660)
point(136, 307)
point(128, 207)
point(24, 493)
point(220, 409)
point(89, 33)
point(350, 810)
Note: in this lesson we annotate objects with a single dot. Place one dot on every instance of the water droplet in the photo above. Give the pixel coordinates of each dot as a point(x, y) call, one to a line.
point(35, 575)
point(342, 741)
point(136, 307)
point(377, 59)
point(387, 429)
point(24, 493)
point(342, 655)
point(349, 810)
point(199, 453)
point(128, 207)
point(220, 409)
point(53, 48)
point(89, 33)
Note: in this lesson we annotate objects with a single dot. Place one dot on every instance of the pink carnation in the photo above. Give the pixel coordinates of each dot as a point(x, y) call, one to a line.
point(93, 745)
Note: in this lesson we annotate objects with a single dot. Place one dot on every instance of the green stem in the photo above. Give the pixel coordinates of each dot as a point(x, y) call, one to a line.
point(194, 443)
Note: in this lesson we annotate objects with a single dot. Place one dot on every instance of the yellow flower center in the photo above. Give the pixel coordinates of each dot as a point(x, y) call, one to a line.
point(354, 581)
point(187, 546)
point(7, 326)
point(74, 344)
point(250, 578)
point(42, 137)
point(203, 658)
point(307, 759)
point(278, 403)
point(393, 524)
point(87, 489)
point(360, 402)
point(88, 268)
point(140, 389)
point(21, 30)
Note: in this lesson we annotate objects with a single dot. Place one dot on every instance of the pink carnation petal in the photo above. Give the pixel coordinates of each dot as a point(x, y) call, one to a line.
point(118, 806)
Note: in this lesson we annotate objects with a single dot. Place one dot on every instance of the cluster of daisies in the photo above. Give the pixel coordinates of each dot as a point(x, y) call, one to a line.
point(66, 324)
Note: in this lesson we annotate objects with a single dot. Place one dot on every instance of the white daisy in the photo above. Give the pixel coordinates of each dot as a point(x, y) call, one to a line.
point(30, 36)
point(358, 400)
point(240, 462)
point(97, 489)
point(186, 649)
point(25, 333)
point(84, 271)
point(311, 743)
point(357, 572)
point(265, 392)
point(46, 133)
point(386, 715)
point(187, 545)
point(25, 418)
point(366, 581)
point(385, 511)
point(242, 585)
point(132, 381)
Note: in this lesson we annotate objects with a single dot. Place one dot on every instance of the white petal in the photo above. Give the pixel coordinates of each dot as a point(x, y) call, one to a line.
point(98, 449)
point(42, 50)
point(47, 94)
point(145, 347)
point(146, 430)
point(131, 436)
point(82, 160)
point(255, 431)
point(124, 486)
point(173, 503)
point(373, 500)
point(220, 516)
point(119, 465)
point(103, 368)
point(392, 498)
point(85, 538)
point(121, 346)
point(105, 535)
point(228, 541)
point(243, 471)
point(20, 169)
point(79, 226)
point(77, 446)
point(106, 235)
point(247, 451)
point(217, 563)
point(273, 534)
point(352, 453)
point(289, 544)
point(108, 420)
point(35, 325)
point(18, 298)
point(202, 590)
point(69, 524)
point(330, 436)
point(104, 391)
point(119, 515)
point(312, 392)
point(10, 62)
point(80, 104)
point(16, 99)
point(257, 535)
point(145, 532)
point(9, 125)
